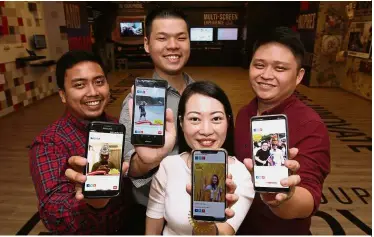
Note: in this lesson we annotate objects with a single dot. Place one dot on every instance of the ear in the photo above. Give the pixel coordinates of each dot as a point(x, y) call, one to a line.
point(146, 44)
point(180, 122)
point(300, 76)
point(62, 95)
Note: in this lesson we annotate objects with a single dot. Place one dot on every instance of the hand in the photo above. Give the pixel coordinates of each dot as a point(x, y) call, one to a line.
point(152, 155)
point(75, 174)
point(231, 197)
point(276, 199)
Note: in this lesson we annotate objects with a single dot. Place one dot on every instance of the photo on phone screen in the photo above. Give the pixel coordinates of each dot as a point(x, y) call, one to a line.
point(270, 151)
point(209, 170)
point(149, 112)
point(104, 156)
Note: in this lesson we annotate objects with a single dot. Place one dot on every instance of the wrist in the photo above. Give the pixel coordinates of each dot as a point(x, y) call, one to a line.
point(139, 169)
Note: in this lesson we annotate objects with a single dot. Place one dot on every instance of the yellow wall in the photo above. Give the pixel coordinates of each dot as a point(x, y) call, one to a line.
point(326, 71)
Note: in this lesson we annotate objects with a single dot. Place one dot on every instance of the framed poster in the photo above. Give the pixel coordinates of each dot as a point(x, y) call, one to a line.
point(359, 44)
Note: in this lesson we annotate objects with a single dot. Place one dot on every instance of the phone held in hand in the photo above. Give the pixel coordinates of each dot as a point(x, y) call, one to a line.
point(149, 112)
point(104, 153)
point(270, 151)
point(209, 172)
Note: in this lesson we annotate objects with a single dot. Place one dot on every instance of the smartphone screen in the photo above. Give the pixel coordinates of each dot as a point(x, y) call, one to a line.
point(149, 107)
point(270, 151)
point(209, 170)
point(104, 153)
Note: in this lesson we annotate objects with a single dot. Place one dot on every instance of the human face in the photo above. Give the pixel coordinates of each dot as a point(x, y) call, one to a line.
point(168, 45)
point(86, 90)
point(264, 146)
point(274, 73)
point(214, 179)
point(204, 123)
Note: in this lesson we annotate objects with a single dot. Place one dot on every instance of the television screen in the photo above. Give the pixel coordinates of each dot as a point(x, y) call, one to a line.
point(201, 34)
point(39, 42)
point(227, 34)
point(131, 29)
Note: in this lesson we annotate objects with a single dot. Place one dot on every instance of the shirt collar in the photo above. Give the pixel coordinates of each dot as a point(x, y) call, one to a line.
point(279, 109)
point(82, 124)
point(186, 78)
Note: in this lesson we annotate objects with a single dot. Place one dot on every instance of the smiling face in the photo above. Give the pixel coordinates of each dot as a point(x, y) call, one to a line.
point(86, 90)
point(274, 73)
point(168, 45)
point(264, 146)
point(214, 179)
point(204, 123)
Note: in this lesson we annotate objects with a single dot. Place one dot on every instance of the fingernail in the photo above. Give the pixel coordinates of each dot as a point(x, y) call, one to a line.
point(285, 182)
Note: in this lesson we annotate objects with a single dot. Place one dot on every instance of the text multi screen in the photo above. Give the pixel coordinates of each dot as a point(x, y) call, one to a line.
point(104, 161)
point(269, 152)
point(149, 111)
point(209, 185)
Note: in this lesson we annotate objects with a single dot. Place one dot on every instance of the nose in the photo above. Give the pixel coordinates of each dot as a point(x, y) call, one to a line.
point(267, 73)
point(206, 128)
point(172, 43)
point(92, 90)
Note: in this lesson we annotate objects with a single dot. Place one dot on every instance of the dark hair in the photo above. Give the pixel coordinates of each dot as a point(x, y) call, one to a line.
point(163, 13)
point(69, 60)
point(211, 183)
point(211, 90)
point(285, 36)
point(262, 143)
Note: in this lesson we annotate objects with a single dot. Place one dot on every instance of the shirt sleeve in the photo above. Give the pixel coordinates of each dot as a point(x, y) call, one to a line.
point(125, 119)
point(156, 202)
point(314, 158)
point(244, 190)
point(60, 212)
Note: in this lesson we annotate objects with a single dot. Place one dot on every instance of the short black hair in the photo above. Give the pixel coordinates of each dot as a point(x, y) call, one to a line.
point(212, 90)
point(163, 13)
point(285, 36)
point(69, 60)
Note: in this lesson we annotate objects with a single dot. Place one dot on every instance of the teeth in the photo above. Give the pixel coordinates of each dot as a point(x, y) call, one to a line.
point(265, 85)
point(173, 57)
point(93, 103)
point(206, 143)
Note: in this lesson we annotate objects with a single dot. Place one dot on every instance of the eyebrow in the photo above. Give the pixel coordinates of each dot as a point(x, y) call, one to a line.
point(196, 112)
point(85, 79)
point(276, 62)
point(178, 34)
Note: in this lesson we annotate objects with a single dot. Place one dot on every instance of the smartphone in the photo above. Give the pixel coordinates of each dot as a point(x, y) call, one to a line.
point(209, 171)
point(149, 112)
point(270, 151)
point(104, 153)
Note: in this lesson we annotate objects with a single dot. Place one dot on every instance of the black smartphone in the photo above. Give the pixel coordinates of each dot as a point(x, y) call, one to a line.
point(209, 171)
point(270, 151)
point(149, 112)
point(104, 153)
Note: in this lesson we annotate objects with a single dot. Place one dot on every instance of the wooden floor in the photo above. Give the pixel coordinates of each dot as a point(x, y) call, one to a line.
point(347, 207)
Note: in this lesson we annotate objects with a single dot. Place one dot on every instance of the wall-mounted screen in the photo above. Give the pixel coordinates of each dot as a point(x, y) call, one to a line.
point(39, 42)
point(131, 29)
point(227, 34)
point(201, 34)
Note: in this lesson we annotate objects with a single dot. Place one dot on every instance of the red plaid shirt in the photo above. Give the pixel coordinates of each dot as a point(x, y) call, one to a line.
point(59, 210)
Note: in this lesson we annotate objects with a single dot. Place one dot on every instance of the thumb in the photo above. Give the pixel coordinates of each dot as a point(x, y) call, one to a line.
point(293, 153)
point(188, 189)
point(170, 127)
point(248, 164)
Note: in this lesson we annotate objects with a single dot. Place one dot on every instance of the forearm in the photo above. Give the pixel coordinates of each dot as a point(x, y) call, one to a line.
point(154, 226)
point(63, 214)
point(300, 205)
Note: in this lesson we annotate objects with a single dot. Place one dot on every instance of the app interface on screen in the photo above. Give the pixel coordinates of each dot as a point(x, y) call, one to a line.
point(269, 152)
point(104, 161)
point(149, 111)
point(209, 184)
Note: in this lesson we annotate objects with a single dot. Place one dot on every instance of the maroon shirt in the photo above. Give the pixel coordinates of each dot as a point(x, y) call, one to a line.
point(60, 212)
point(308, 133)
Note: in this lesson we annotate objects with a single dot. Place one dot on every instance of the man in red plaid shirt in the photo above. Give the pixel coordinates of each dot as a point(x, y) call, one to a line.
point(85, 92)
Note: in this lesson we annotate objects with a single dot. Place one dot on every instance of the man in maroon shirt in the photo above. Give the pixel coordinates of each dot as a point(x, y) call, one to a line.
point(274, 73)
point(85, 92)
